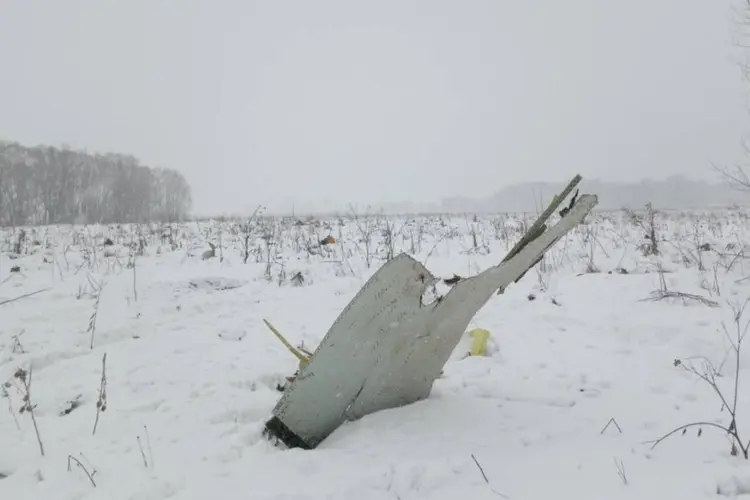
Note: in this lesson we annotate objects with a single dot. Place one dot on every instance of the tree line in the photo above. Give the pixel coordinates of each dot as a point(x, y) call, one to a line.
point(49, 185)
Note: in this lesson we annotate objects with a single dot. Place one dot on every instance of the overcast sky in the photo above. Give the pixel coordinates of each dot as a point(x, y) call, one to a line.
point(353, 101)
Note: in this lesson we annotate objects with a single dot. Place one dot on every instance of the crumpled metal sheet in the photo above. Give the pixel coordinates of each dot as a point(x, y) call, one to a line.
point(387, 348)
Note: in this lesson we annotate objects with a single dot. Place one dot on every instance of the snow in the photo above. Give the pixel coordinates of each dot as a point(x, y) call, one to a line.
point(577, 385)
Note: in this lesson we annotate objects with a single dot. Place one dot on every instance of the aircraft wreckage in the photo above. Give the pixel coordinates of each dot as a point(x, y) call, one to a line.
point(387, 347)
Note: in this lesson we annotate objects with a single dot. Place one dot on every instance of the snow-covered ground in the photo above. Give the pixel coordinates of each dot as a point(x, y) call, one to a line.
point(583, 372)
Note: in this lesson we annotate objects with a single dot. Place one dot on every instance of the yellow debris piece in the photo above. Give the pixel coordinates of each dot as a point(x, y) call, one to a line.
point(479, 338)
point(303, 358)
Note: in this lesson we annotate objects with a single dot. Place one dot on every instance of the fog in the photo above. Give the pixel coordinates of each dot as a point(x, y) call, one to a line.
point(320, 104)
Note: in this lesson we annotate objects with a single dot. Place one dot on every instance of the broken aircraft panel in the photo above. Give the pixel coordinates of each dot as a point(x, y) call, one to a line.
point(387, 348)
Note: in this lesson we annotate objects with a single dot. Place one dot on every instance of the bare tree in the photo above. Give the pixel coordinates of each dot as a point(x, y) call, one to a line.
point(46, 185)
point(366, 226)
point(736, 175)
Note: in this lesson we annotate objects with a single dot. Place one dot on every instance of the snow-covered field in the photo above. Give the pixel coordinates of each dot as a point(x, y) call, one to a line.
point(585, 369)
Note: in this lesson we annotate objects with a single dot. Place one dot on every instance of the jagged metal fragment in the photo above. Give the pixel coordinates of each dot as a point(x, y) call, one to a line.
point(387, 348)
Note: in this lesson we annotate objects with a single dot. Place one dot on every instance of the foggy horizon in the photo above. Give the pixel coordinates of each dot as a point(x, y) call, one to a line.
point(287, 104)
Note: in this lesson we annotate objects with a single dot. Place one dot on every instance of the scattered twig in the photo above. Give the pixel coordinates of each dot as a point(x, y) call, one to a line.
point(663, 292)
point(17, 346)
point(92, 320)
point(26, 295)
point(480, 469)
point(620, 466)
point(148, 445)
point(82, 467)
point(4, 394)
point(709, 375)
point(101, 403)
point(143, 455)
point(93, 469)
point(611, 421)
point(28, 406)
point(684, 428)
point(486, 480)
point(135, 283)
point(668, 294)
